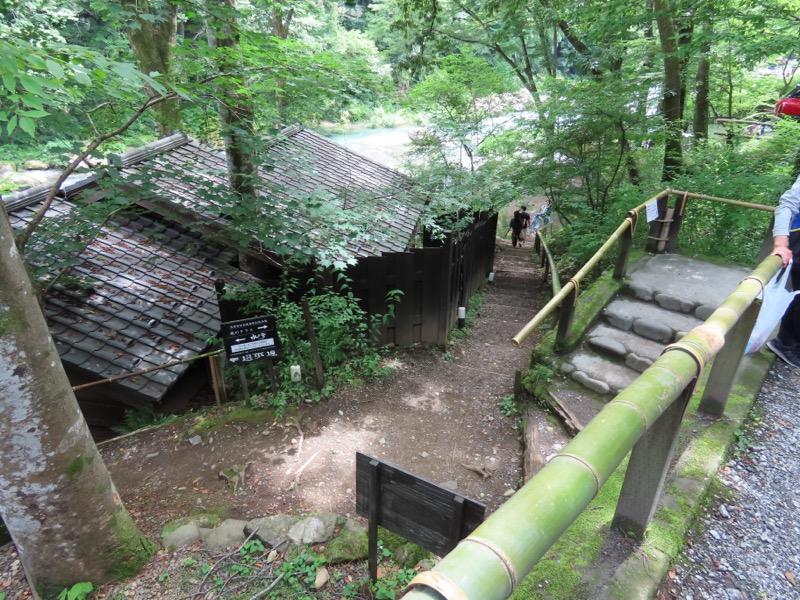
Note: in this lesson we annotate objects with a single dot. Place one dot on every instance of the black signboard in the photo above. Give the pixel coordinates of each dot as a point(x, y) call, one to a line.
point(420, 511)
point(251, 339)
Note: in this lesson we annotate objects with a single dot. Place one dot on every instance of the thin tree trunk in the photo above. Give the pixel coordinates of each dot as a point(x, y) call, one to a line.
point(57, 498)
point(671, 103)
point(235, 106)
point(701, 103)
point(153, 40)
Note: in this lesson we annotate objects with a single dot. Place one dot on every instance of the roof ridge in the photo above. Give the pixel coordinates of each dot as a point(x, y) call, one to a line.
point(130, 157)
point(37, 194)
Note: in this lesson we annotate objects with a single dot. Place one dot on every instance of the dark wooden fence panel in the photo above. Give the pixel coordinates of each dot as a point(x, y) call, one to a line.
point(434, 282)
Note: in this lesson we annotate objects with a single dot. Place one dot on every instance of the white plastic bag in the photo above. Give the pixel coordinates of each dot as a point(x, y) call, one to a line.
point(774, 304)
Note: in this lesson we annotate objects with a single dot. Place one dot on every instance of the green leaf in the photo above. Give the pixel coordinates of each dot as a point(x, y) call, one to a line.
point(32, 101)
point(56, 70)
point(10, 83)
point(27, 125)
point(34, 114)
point(12, 124)
point(31, 84)
point(82, 77)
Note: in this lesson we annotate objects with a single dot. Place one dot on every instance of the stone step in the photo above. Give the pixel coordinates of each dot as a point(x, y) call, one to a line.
point(636, 352)
point(597, 373)
point(649, 320)
point(684, 284)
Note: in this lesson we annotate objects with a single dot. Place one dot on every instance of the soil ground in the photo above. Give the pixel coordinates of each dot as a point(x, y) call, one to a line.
point(437, 415)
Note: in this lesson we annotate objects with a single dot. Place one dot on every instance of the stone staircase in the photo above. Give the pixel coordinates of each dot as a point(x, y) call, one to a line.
point(666, 297)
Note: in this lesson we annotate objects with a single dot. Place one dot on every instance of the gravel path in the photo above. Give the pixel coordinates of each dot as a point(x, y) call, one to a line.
point(749, 546)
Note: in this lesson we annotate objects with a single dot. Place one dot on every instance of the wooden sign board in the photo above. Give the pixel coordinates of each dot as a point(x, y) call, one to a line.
point(427, 514)
point(251, 339)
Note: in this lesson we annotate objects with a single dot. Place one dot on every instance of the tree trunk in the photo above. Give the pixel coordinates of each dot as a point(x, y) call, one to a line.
point(152, 40)
point(701, 104)
point(56, 496)
point(280, 29)
point(235, 106)
point(671, 103)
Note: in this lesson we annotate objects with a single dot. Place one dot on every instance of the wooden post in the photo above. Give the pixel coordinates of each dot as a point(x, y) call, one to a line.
point(457, 521)
point(312, 338)
point(217, 382)
point(374, 511)
point(273, 378)
point(657, 226)
point(625, 243)
point(566, 314)
point(647, 468)
point(674, 227)
point(243, 381)
point(726, 363)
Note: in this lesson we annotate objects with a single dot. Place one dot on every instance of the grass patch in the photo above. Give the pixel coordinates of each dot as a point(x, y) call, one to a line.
point(217, 419)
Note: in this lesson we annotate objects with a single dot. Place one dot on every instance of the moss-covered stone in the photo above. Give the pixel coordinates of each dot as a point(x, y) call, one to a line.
point(347, 546)
point(403, 552)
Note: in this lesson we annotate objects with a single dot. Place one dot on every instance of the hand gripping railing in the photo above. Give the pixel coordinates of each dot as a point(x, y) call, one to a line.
point(644, 417)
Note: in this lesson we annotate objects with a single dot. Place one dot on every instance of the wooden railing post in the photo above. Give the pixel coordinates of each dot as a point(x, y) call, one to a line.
point(566, 314)
point(726, 363)
point(625, 244)
point(647, 469)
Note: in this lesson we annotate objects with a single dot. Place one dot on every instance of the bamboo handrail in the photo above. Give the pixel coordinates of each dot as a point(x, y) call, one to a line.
point(493, 559)
point(172, 363)
point(556, 301)
point(554, 280)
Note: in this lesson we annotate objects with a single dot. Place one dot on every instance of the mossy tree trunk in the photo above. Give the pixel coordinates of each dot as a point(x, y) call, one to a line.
point(671, 102)
point(56, 496)
point(152, 33)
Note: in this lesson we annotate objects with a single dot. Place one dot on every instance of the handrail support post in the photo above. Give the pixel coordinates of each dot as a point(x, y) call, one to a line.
point(565, 317)
point(647, 469)
point(726, 363)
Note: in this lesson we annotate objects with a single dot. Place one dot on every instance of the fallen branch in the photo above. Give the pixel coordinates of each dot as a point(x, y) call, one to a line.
point(296, 479)
point(571, 423)
point(223, 558)
point(479, 469)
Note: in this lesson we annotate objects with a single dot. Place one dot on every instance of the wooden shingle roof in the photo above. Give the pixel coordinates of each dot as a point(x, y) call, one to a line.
point(147, 298)
point(299, 164)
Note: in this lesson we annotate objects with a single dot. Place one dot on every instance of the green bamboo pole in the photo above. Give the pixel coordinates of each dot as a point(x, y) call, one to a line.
point(491, 561)
point(751, 205)
point(554, 281)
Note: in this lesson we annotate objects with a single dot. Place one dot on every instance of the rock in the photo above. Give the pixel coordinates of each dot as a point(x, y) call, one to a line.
point(734, 594)
point(185, 535)
point(723, 512)
point(195, 440)
point(322, 577)
point(607, 346)
point(348, 546)
point(601, 387)
point(229, 534)
point(637, 363)
point(271, 530)
point(673, 303)
point(313, 530)
point(653, 330)
point(36, 165)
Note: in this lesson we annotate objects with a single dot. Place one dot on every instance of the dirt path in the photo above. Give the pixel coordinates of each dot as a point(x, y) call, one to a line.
point(438, 415)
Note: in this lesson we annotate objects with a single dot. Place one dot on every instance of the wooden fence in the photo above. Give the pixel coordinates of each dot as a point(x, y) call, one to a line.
point(434, 281)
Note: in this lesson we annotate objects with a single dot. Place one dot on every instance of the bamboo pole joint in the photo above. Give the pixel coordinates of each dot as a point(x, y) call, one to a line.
point(513, 580)
point(440, 583)
point(598, 483)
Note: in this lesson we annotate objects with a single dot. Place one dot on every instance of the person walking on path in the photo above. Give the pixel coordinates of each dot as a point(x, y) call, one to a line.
point(786, 240)
point(526, 223)
point(515, 226)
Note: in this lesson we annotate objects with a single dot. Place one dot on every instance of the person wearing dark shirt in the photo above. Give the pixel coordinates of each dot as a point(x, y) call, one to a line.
point(515, 226)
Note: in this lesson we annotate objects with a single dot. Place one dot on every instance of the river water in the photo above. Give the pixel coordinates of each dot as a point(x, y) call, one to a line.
point(388, 146)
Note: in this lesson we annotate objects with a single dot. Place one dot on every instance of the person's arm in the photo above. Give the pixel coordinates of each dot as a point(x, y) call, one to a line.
point(788, 207)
